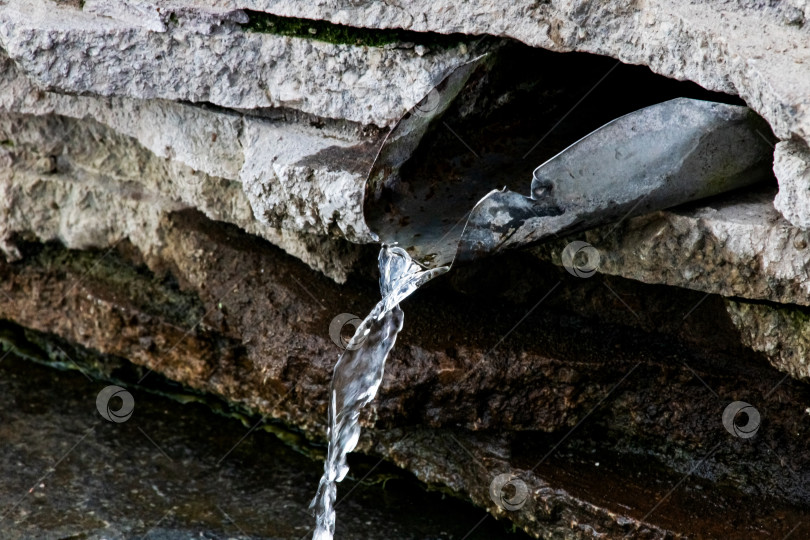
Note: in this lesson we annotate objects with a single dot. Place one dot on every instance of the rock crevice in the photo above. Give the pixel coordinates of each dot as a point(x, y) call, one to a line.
point(153, 156)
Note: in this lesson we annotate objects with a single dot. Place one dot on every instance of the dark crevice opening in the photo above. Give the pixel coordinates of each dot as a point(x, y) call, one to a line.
point(530, 106)
point(340, 34)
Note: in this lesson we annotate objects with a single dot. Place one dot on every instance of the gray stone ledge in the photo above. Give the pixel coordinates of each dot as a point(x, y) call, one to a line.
point(735, 246)
point(112, 52)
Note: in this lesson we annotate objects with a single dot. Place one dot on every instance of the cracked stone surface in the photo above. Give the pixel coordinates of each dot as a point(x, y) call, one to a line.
point(109, 50)
point(792, 167)
point(750, 49)
point(62, 184)
point(757, 50)
point(738, 247)
point(449, 410)
point(169, 146)
point(782, 333)
point(734, 245)
point(261, 174)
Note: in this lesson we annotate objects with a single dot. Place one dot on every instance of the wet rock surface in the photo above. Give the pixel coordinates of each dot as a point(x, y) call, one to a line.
point(479, 385)
point(183, 184)
point(176, 470)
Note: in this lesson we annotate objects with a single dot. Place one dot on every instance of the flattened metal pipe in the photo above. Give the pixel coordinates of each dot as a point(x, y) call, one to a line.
point(658, 157)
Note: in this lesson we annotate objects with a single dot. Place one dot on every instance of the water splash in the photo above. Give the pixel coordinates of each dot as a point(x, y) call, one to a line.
point(359, 372)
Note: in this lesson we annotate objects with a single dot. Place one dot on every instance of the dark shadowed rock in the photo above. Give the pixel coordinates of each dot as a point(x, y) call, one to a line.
point(564, 400)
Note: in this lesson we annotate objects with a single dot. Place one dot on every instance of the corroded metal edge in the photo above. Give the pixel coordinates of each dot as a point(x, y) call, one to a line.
point(654, 158)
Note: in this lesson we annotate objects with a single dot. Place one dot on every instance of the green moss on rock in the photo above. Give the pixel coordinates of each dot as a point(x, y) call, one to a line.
point(343, 35)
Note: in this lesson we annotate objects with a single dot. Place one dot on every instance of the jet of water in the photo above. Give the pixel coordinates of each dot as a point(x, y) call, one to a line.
point(359, 372)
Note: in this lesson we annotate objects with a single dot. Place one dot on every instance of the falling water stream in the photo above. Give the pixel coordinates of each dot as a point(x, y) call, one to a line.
point(657, 157)
point(359, 372)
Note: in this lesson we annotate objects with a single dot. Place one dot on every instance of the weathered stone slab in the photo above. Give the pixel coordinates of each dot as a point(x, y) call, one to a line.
point(753, 50)
point(782, 333)
point(758, 51)
point(295, 184)
point(110, 50)
point(250, 324)
point(87, 186)
point(738, 247)
point(792, 168)
point(734, 245)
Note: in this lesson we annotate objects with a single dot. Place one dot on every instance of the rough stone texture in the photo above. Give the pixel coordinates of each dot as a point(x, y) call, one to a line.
point(106, 51)
point(792, 161)
point(735, 245)
point(745, 48)
point(203, 139)
point(65, 185)
point(757, 50)
point(184, 152)
point(177, 457)
point(260, 174)
point(254, 151)
point(458, 404)
point(782, 333)
point(308, 183)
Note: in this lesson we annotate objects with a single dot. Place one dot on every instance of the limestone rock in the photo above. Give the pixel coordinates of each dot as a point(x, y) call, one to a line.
point(93, 194)
point(202, 150)
point(782, 333)
point(792, 167)
point(735, 245)
point(758, 51)
point(131, 50)
point(753, 50)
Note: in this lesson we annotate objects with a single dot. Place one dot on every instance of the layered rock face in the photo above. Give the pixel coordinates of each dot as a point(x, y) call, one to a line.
point(184, 190)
